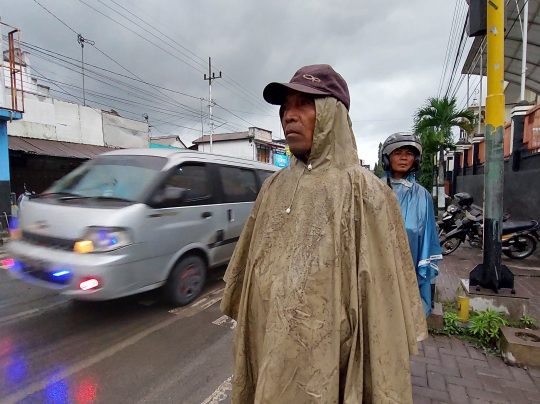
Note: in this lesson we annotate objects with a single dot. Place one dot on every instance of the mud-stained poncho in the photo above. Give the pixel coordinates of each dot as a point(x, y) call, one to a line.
point(325, 296)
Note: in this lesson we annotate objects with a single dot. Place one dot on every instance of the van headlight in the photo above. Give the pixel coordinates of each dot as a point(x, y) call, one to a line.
point(103, 239)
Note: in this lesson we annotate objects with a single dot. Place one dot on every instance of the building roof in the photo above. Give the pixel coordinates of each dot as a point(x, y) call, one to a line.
point(513, 48)
point(54, 148)
point(221, 137)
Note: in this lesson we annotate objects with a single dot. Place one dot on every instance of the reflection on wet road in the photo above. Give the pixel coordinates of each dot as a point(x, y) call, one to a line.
point(130, 350)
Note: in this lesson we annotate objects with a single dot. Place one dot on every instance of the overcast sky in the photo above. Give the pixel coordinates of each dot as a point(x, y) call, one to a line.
point(391, 53)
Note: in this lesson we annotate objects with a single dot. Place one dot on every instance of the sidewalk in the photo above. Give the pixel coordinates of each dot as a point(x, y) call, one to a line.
point(448, 370)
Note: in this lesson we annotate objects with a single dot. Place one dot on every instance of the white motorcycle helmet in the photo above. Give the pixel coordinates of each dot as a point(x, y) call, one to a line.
point(396, 141)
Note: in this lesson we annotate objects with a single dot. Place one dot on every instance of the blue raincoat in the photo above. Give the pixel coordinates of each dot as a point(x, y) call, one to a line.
point(417, 210)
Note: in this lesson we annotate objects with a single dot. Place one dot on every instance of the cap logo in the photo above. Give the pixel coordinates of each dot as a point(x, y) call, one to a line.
point(311, 78)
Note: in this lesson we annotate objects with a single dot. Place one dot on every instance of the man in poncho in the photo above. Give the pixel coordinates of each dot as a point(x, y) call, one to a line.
point(401, 154)
point(322, 283)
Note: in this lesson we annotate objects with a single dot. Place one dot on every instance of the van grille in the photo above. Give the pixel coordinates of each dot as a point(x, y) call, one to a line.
point(48, 241)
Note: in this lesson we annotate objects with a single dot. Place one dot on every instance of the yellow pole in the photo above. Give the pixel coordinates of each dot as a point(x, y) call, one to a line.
point(495, 65)
point(463, 308)
point(490, 274)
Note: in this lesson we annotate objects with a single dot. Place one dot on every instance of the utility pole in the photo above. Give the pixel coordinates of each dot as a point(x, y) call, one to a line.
point(82, 41)
point(491, 274)
point(210, 78)
point(524, 36)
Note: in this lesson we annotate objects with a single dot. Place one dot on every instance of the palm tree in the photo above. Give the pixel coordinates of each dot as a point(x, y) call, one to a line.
point(435, 121)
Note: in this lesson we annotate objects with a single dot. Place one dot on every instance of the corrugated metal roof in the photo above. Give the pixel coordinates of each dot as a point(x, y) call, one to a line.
point(54, 148)
point(513, 43)
point(220, 137)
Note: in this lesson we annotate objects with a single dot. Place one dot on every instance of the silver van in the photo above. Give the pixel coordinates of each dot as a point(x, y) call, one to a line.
point(134, 220)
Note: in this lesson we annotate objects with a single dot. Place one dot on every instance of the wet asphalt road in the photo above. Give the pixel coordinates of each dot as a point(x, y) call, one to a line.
point(131, 350)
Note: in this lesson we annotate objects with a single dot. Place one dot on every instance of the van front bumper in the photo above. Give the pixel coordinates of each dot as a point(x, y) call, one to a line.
point(63, 271)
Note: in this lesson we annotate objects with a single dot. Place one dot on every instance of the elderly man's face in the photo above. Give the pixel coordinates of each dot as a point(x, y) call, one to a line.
point(298, 120)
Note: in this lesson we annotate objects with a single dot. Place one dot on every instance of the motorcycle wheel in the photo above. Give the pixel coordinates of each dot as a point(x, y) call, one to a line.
point(522, 248)
point(449, 245)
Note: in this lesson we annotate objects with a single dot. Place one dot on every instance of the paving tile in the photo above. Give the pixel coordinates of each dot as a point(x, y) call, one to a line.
point(516, 396)
point(479, 401)
point(458, 394)
point(520, 374)
point(532, 396)
point(419, 381)
point(431, 352)
point(463, 353)
point(459, 381)
point(429, 361)
point(520, 385)
point(491, 383)
point(443, 370)
point(467, 372)
point(496, 362)
point(534, 372)
point(458, 345)
point(487, 396)
point(475, 353)
point(449, 361)
point(418, 369)
point(473, 362)
point(421, 399)
point(500, 373)
point(436, 381)
point(432, 394)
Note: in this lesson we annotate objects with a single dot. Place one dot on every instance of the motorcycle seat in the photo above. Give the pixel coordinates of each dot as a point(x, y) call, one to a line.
point(510, 227)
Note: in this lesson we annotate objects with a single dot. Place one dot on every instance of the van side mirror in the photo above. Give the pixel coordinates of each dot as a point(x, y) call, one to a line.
point(174, 193)
point(168, 197)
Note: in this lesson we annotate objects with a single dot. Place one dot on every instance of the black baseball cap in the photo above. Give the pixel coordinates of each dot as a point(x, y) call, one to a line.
point(318, 80)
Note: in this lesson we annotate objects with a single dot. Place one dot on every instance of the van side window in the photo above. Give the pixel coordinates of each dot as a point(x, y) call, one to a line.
point(263, 175)
point(193, 180)
point(239, 184)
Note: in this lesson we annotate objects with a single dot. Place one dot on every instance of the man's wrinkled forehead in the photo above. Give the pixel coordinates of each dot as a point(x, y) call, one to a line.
point(290, 94)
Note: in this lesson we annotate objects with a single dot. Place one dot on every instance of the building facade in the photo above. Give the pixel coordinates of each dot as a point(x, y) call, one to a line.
point(254, 144)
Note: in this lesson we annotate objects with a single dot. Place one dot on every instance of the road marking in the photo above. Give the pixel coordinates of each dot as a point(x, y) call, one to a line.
point(221, 392)
point(29, 313)
point(200, 305)
point(225, 321)
point(181, 312)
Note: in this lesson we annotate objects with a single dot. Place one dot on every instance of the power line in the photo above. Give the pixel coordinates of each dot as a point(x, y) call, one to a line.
point(256, 99)
point(448, 46)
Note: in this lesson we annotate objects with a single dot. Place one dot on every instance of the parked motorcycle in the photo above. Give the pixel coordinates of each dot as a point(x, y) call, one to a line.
point(448, 222)
point(462, 202)
point(25, 196)
point(519, 239)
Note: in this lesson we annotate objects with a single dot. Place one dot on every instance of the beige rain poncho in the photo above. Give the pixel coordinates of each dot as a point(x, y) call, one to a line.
point(326, 297)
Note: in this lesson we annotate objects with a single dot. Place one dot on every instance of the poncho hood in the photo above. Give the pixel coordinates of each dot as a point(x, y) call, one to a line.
point(322, 283)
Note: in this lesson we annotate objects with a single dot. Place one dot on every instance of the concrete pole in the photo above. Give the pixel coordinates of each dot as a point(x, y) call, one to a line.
point(480, 95)
point(524, 48)
point(490, 274)
point(2, 76)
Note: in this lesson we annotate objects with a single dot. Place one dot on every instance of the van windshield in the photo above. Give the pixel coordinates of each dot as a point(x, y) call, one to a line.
point(110, 177)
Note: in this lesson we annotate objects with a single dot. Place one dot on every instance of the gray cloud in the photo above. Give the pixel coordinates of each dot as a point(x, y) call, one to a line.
point(390, 52)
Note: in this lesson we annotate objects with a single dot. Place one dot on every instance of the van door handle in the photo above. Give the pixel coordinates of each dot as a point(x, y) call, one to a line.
point(206, 215)
point(230, 213)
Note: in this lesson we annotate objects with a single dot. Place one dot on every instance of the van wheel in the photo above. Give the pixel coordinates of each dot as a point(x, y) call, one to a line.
point(186, 281)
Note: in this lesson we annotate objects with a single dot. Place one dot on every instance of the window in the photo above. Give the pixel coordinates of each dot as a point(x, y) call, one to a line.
point(239, 184)
point(263, 175)
point(123, 177)
point(193, 180)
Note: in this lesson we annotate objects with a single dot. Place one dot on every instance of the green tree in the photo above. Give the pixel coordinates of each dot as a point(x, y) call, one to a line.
point(378, 169)
point(434, 122)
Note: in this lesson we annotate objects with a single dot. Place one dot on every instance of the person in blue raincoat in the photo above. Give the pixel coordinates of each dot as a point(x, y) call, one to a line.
point(401, 154)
